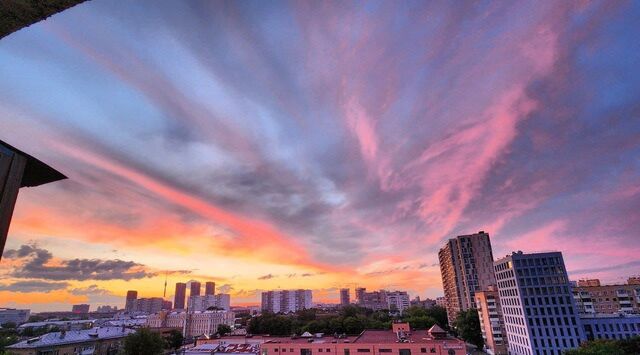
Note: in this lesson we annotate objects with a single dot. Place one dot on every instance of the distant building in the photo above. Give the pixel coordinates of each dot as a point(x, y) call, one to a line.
point(360, 291)
point(492, 321)
point(195, 288)
point(129, 301)
point(466, 265)
point(397, 301)
point(375, 300)
point(209, 288)
point(588, 282)
point(441, 302)
point(345, 298)
point(167, 305)
point(98, 341)
point(610, 326)
point(193, 324)
point(80, 308)
point(12, 315)
point(426, 303)
point(106, 309)
point(221, 301)
point(285, 301)
point(148, 305)
point(539, 312)
point(223, 349)
point(402, 342)
point(180, 295)
point(593, 297)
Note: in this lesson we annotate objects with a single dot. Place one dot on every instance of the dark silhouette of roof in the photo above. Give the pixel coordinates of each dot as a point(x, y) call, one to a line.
point(17, 14)
point(35, 172)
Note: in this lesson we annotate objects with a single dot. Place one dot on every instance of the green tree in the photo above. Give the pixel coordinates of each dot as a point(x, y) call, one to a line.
point(608, 347)
point(11, 325)
point(440, 315)
point(223, 330)
point(353, 325)
point(175, 340)
point(468, 326)
point(143, 342)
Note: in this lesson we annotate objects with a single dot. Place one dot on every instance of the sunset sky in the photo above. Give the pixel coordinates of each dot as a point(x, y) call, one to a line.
point(264, 144)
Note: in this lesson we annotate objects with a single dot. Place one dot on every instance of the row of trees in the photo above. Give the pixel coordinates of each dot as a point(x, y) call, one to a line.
point(350, 320)
point(608, 347)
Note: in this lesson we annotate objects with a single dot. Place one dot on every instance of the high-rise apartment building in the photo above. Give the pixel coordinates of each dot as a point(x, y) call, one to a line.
point(285, 301)
point(195, 288)
point(539, 312)
point(148, 305)
point(345, 299)
point(593, 297)
point(130, 300)
point(180, 295)
point(376, 300)
point(466, 265)
point(491, 321)
point(221, 301)
point(210, 288)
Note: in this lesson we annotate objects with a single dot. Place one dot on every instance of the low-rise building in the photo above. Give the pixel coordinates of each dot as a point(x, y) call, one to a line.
point(193, 323)
point(12, 315)
point(80, 308)
point(610, 326)
point(593, 297)
point(397, 301)
point(95, 341)
point(374, 342)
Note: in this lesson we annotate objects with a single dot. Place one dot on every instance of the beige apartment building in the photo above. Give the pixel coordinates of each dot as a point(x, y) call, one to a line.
point(466, 265)
point(492, 321)
point(193, 324)
point(593, 297)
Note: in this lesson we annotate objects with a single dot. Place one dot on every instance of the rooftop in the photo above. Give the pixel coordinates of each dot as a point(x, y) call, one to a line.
point(366, 337)
point(72, 337)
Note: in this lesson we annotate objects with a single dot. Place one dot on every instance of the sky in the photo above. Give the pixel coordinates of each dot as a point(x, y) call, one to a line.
point(320, 145)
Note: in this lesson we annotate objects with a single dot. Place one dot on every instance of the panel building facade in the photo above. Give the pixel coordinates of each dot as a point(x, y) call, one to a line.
point(285, 301)
point(539, 312)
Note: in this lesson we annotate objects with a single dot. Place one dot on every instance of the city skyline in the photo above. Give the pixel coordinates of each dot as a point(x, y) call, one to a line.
point(316, 146)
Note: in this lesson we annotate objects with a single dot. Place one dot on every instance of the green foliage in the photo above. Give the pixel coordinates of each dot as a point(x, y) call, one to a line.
point(468, 327)
point(11, 325)
point(421, 318)
point(350, 320)
point(8, 337)
point(143, 342)
point(608, 347)
point(223, 330)
point(174, 340)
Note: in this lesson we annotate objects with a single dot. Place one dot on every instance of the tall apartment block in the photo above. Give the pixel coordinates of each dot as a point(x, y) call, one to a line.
point(466, 265)
point(285, 301)
point(345, 298)
point(539, 312)
point(130, 300)
point(593, 297)
point(180, 295)
point(222, 301)
point(209, 288)
point(492, 321)
point(195, 288)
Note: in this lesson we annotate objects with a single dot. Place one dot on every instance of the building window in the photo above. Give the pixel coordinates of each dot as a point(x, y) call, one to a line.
point(405, 352)
point(451, 352)
point(346, 351)
point(385, 350)
point(423, 350)
point(364, 350)
point(305, 351)
point(433, 350)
